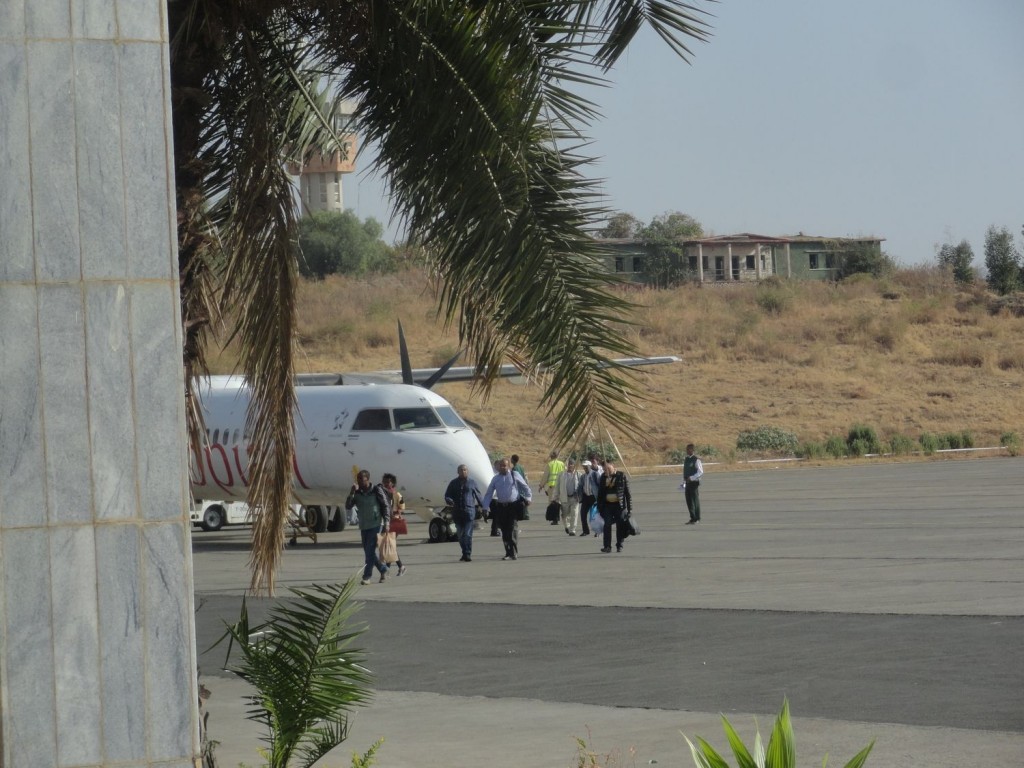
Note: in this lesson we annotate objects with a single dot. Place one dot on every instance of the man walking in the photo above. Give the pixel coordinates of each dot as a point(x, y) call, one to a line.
point(693, 470)
point(550, 485)
point(373, 510)
point(615, 504)
point(588, 495)
point(568, 495)
point(507, 493)
point(463, 496)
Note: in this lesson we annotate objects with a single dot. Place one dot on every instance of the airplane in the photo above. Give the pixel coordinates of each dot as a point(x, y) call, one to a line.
point(345, 423)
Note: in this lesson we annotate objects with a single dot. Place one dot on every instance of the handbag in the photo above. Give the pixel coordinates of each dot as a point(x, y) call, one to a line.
point(522, 513)
point(632, 529)
point(399, 526)
point(388, 547)
point(553, 512)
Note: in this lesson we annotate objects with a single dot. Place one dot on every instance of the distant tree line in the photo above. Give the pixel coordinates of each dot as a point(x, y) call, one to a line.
point(339, 243)
point(1004, 263)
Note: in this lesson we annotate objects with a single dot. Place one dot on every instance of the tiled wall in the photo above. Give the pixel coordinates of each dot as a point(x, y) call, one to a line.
point(97, 659)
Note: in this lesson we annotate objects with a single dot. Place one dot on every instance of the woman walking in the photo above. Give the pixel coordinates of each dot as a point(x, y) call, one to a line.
point(615, 505)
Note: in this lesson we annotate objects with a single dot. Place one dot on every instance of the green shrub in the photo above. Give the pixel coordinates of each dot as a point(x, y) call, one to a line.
point(859, 447)
point(811, 451)
point(929, 443)
point(767, 440)
point(862, 439)
point(772, 300)
point(836, 446)
point(1011, 442)
point(901, 445)
point(780, 751)
point(604, 450)
point(676, 455)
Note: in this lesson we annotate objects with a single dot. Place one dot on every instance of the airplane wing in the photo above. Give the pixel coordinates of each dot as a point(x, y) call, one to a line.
point(429, 376)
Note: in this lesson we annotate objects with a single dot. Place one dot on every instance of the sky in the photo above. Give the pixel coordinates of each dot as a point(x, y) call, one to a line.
point(901, 119)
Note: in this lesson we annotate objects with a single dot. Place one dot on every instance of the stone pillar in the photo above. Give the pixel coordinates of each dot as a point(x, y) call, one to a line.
point(97, 648)
point(700, 262)
point(789, 265)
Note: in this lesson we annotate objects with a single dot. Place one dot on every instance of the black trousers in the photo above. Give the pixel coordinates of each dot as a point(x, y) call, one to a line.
point(506, 516)
point(612, 515)
point(586, 502)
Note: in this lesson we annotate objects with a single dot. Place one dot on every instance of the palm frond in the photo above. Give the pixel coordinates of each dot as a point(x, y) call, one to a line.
point(480, 126)
point(306, 671)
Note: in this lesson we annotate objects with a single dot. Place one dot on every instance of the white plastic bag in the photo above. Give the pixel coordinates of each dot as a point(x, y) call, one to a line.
point(596, 521)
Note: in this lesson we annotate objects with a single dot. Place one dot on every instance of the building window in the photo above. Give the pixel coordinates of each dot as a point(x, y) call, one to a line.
point(750, 261)
point(812, 260)
point(693, 264)
point(638, 263)
point(323, 189)
point(620, 265)
point(830, 261)
point(337, 188)
point(704, 262)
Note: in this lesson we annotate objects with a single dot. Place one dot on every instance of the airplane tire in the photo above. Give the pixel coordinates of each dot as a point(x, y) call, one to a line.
point(336, 521)
point(316, 520)
point(213, 519)
point(437, 531)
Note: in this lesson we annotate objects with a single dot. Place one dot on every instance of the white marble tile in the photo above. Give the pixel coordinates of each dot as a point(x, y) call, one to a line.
point(160, 424)
point(48, 19)
point(148, 199)
point(100, 175)
point(22, 490)
point(171, 684)
point(76, 640)
point(111, 422)
point(141, 20)
point(12, 20)
point(54, 193)
point(66, 418)
point(94, 20)
point(30, 711)
point(16, 262)
point(122, 642)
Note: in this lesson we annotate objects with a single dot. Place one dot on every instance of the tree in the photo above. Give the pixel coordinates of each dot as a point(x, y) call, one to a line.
point(861, 257)
point(663, 240)
point(332, 242)
point(1002, 261)
point(621, 225)
point(957, 260)
point(478, 135)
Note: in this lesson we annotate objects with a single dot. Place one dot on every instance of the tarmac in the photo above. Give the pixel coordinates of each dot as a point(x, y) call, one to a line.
point(886, 601)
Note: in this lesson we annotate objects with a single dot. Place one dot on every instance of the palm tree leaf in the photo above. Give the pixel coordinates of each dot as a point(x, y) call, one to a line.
point(743, 756)
point(861, 757)
point(781, 749)
point(480, 129)
point(305, 668)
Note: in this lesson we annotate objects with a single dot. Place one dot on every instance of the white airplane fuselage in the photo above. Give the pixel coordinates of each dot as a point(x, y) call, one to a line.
point(406, 430)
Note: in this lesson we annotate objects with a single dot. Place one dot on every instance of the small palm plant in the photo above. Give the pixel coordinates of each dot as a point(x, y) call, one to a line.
point(781, 751)
point(306, 673)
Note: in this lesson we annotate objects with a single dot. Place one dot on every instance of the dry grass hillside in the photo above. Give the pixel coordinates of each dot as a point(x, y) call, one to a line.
point(906, 356)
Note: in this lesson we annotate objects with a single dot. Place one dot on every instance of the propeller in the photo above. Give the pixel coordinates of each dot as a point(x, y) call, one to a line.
point(403, 350)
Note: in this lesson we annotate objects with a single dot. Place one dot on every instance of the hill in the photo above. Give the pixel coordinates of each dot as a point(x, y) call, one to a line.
point(907, 355)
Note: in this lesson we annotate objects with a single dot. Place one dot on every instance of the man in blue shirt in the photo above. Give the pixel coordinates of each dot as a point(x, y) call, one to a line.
point(507, 494)
point(463, 496)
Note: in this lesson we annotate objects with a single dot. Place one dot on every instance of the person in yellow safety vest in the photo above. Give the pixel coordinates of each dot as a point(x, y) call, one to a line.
point(550, 485)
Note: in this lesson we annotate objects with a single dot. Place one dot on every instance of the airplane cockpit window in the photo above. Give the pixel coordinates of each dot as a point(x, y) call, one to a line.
point(450, 417)
point(235, 435)
point(216, 437)
point(373, 419)
point(416, 418)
